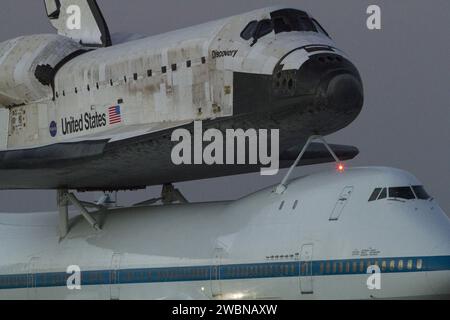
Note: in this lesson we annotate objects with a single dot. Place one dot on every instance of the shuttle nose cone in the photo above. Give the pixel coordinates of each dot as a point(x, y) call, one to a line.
point(326, 83)
point(344, 93)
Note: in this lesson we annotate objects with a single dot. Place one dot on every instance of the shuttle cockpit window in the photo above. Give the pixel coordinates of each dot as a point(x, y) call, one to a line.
point(403, 193)
point(320, 28)
point(264, 27)
point(288, 20)
point(285, 20)
point(249, 30)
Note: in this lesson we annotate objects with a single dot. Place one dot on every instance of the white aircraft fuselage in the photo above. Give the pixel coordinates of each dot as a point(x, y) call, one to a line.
point(314, 241)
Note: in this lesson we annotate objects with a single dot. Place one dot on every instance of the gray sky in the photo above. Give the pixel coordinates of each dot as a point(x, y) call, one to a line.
point(405, 66)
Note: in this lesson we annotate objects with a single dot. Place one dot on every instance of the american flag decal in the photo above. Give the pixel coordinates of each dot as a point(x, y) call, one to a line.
point(114, 115)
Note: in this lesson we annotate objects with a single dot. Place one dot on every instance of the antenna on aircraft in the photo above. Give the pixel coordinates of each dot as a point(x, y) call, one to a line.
point(281, 188)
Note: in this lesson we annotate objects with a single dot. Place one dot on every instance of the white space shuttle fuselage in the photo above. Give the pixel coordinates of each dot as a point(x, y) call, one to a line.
point(315, 241)
point(273, 68)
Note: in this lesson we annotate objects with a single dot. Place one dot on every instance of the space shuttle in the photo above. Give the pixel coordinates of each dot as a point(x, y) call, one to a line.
point(83, 109)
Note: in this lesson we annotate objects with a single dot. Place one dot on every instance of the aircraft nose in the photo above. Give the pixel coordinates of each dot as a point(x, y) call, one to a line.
point(325, 82)
point(344, 93)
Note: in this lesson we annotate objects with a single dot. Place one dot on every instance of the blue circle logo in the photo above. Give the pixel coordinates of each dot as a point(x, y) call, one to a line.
point(53, 129)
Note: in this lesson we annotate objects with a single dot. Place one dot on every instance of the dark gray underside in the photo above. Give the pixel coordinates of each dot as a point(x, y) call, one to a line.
point(129, 164)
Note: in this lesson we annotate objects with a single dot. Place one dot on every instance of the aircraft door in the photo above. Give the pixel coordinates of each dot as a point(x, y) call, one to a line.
point(341, 203)
point(306, 271)
point(31, 279)
point(216, 288)
point(115, 277)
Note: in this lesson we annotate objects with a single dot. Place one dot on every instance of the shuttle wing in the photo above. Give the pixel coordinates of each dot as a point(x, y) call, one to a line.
point(80, 20)
point(127, 159)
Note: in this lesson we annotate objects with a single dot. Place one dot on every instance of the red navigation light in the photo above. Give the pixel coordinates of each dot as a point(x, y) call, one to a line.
point(340, 167)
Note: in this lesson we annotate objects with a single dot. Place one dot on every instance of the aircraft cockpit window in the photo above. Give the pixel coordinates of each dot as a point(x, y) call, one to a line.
point(375, 194)
point(401, 193)
point(249, 30)
point(383, 194)
point(421, 193)
point(404, 193)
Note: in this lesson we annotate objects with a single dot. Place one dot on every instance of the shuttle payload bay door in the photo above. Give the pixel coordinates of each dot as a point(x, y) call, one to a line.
point(344, 197)
point(306, 270)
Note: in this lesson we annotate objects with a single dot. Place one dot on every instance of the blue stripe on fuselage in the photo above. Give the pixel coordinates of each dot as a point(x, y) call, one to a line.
point(229, 272)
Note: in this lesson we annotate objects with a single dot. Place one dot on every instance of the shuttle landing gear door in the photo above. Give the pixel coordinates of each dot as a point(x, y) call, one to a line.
point(306, 271)
point(115, 278)
point(216, 289)
point(341, 203)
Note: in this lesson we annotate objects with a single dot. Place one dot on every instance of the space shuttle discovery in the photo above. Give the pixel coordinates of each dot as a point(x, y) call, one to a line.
point(84, 110)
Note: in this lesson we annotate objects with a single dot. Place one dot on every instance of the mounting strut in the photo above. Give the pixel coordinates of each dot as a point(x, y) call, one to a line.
point(281, 188)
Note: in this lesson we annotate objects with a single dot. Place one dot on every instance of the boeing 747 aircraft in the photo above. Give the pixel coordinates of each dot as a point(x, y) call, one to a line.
point(319, 239)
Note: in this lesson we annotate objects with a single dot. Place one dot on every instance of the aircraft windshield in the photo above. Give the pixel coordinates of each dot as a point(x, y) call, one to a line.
point(288, 20)
point(285, 20)
point(406, 193)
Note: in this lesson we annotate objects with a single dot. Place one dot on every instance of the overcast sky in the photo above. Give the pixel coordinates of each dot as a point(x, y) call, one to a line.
point(405, 67)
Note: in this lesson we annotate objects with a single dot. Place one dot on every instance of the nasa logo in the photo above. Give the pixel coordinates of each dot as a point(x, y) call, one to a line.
point(53, 129)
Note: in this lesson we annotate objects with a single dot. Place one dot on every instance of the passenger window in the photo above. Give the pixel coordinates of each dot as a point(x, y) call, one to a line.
point(419, 264)
point(375, 194)
point(410, 264)
point(383, 265)
point(249, 30)
point(383, 194)
point(392, 265)
point(401, 193)
point(421, 193)
point(400, 265)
